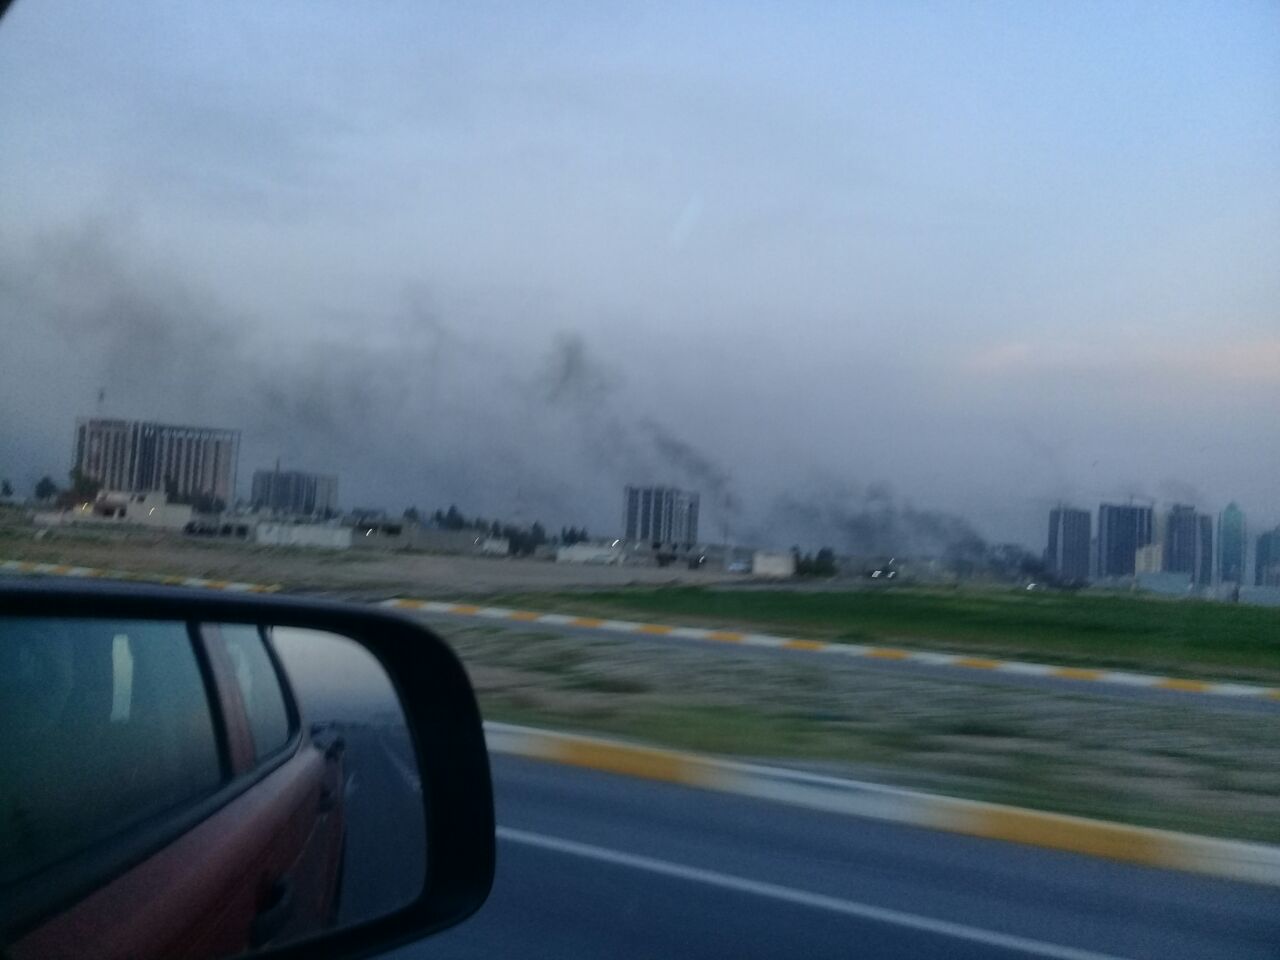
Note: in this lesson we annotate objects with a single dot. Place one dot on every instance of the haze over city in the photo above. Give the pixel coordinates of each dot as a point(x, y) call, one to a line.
point(514, 258)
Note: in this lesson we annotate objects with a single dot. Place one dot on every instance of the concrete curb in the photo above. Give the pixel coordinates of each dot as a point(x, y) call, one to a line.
point(856, 650)
point(1250, 862)
point(702, 635)
point(98, 573)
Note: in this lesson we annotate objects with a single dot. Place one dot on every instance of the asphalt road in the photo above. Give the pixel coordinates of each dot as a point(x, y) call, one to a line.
point(385, 861)
point(595, 865)
point(444, 621)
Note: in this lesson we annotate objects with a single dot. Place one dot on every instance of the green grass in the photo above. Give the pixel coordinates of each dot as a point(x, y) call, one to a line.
point(1186, 637)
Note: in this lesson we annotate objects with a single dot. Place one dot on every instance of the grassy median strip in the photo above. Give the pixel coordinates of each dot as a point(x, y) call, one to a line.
point(1178, 637)
point(1200, 771)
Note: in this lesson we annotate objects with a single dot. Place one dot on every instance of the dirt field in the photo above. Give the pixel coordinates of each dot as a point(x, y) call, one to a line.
point(348, 572)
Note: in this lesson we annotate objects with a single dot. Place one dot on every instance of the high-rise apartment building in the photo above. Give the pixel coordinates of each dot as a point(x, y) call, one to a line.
point(1122, 530)
point(1266, 563)
point(1180, 539)
point(1204, 550)
point(294, 492)
point(1188, 544)
point(1231, 544)
point(661, 515)
point(140, 455)
point(1070, 534)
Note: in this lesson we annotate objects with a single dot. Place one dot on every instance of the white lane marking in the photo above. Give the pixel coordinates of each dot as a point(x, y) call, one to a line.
point(1130, 679)
point(935, 659)
point(690, 633)
point(1028, 669)
point(407, 774)
point(555, 619)
point(865, 911)
point(1237, 690)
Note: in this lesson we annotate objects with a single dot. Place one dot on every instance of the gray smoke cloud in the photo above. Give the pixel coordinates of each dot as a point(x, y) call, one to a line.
point(868, 521)
point(643, 449)
point(426, 416)
point(432, 417)
point(705, 475)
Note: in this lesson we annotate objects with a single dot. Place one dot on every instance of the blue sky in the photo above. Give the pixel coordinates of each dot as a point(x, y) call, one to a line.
point(989, 255)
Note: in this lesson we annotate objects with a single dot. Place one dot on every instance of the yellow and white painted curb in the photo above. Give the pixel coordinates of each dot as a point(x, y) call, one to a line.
point(701, 634)
point(98, 573)
point(1251, 862)
point(856, 650)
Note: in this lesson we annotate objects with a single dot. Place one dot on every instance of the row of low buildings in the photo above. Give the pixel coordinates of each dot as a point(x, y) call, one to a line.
point(1137, 540)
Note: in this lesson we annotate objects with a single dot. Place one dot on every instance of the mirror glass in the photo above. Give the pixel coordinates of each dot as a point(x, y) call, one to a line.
point(198, 789)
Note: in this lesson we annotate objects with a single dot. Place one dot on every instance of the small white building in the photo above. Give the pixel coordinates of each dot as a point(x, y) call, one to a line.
point(598, 553)
point(321, 535)
point(766, 564)
point(109, 507)
point(1149, 559)
point(495, 546)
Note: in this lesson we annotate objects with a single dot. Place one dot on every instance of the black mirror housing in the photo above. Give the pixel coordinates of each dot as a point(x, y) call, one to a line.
point(439, 706)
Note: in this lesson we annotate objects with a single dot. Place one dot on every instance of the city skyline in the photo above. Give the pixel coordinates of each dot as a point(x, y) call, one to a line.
point(538, 274)
point(1191, 549)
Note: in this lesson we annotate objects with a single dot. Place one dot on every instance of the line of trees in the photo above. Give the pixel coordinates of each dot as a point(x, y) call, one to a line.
point(523, 540)
point(821, 564)
point(81, 488)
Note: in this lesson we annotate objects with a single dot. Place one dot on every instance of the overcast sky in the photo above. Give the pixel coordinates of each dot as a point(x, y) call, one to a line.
point(512, 256)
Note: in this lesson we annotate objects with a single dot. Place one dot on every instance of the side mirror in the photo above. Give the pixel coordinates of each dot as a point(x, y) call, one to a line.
point(209, 775)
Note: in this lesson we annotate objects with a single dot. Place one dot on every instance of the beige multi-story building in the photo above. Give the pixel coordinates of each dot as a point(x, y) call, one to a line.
point(140, 455)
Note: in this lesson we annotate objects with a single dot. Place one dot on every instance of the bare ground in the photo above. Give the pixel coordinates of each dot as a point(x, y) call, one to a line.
point(356, 572)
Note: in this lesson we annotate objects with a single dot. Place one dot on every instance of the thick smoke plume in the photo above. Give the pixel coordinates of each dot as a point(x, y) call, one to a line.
point(871, 522)
point(428, 416)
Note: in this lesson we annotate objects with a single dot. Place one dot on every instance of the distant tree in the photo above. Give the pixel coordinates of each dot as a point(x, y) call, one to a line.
point(170, 488)
point(46, 489)
point(6, 488)
point(82, 487)
point(411, 514)
point(537, 534)
point(824, 564)
point(571, 535)
point(453, 520)
point(495, 529)
point(809, 565)
point(206, 503)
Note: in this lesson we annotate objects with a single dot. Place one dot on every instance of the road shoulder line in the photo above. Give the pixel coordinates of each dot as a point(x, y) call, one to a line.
point(1235, 860)
point(803, 898)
